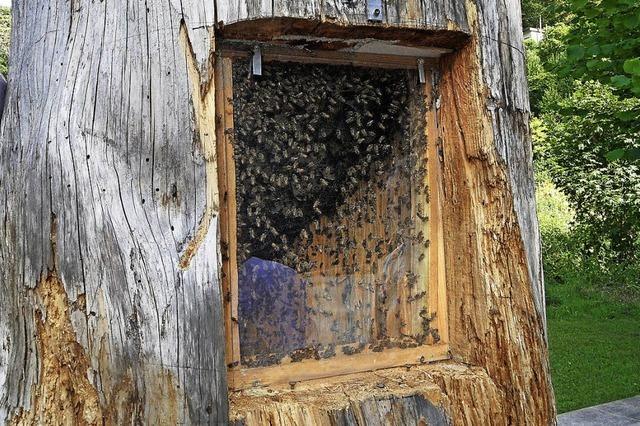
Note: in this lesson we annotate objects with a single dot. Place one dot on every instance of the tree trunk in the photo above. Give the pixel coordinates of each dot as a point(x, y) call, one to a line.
point(110, 302)
point(110, 306)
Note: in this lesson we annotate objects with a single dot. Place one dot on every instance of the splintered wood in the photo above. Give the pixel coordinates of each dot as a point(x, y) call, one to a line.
point(333, 231)
point(439, 394)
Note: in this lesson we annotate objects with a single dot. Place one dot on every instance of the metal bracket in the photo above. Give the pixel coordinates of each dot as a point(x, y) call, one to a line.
point(256, 61)
point(421, 75)
point(374, 11)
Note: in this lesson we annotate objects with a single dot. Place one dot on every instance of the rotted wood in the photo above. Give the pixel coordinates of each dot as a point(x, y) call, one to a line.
point(491, 250)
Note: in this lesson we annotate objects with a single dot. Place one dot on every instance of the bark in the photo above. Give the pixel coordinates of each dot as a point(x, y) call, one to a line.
point(110, 305)
point(495, 321)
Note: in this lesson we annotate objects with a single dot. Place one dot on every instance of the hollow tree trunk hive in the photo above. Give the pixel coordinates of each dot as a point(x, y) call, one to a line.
point(348, 238)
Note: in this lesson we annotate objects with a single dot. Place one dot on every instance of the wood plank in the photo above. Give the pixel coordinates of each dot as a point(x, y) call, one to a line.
point(224, 220)
point(437, 278)
point(228, 221)
point(284, 54)
point(227, 73)
point(316, 369)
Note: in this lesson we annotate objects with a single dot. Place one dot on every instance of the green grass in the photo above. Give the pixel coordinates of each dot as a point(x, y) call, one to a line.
point(594, 340)
point(593, 312)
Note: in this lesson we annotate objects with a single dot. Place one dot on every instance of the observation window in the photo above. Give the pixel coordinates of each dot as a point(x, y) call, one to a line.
point(330, 216)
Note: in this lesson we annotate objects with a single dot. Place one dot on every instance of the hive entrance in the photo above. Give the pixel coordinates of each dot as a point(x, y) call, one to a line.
point(332, 199)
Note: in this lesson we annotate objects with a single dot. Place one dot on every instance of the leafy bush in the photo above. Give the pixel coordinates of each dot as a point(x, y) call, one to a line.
point(544, 60)
point(555, 216)
point(567, 262)
point(604, 43)
point(548, 12)
point(569, 254)
point(583, 128)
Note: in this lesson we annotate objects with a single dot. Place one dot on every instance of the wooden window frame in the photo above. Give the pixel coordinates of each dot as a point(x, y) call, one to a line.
point(292, 372)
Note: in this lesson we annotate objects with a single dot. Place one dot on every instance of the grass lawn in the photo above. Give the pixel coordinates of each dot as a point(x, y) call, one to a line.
point(594, 341)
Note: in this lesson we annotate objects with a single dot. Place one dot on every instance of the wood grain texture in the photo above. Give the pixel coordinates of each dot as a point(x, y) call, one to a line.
point(495, 301)
point(492, 242)
point(109, 295)
point(110, 307)
point(439, 14)
point(426, 395)
point(500, 46)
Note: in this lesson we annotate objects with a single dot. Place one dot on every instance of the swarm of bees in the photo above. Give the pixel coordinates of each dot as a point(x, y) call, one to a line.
point(322, 141)
point(305, 136)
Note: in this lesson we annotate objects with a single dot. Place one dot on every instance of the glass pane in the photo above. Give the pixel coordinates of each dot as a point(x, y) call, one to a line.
point(332, 211)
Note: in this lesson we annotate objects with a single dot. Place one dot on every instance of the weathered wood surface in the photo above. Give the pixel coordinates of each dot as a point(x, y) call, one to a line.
point(500, 44)
point(427, 395)
point(492, 243)
point(492, 248)
point(109, 302)
point(440, 14)
point(109, 298)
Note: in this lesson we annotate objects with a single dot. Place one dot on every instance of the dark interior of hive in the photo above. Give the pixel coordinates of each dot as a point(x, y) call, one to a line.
point(332, 211)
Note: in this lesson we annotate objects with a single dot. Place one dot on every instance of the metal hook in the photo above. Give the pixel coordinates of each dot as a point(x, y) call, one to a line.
point(256, 61)
point(421, 74)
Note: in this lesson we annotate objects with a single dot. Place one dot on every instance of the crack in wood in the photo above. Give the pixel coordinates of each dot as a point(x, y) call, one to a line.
point(203, 99)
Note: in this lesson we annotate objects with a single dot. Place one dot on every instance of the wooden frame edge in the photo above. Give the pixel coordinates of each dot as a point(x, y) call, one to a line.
point(330, 57)
point(437, 270)
point(242, 378)
point(286, 374)
point(226, 179)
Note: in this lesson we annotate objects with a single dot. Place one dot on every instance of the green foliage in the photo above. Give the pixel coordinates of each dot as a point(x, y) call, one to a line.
point(568, 262)
point(593, 310)
point(580, 132)
point(630, 154)
point(5, 36)
point(550, 12)
point(544, 59)
point(539, 78)
point(604, 43)
point(554, 211)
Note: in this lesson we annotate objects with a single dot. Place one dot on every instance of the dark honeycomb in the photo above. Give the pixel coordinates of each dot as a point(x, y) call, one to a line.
point(318, 150)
